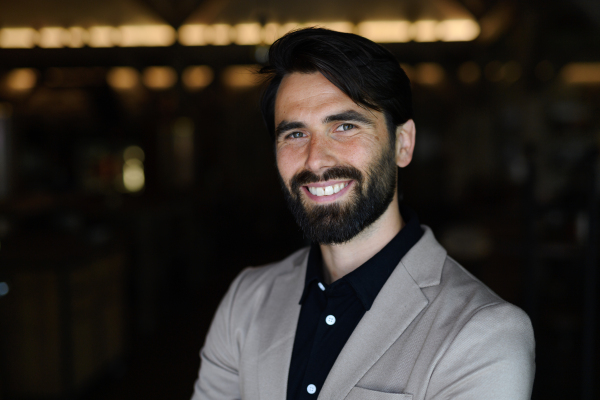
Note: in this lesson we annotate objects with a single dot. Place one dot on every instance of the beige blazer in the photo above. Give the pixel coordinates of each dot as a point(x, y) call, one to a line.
point(433, 332)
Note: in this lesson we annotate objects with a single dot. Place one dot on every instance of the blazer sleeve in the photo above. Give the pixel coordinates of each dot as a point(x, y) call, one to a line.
point(218, 377)
point(492, 358)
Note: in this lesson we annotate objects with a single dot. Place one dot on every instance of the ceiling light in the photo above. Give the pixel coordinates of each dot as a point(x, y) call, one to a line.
point(77, 37)
point(248, 34)
point(222, 34)
point(24, 38)
point(270, 33)
point(146, 35)
point(424, 31)
point(52, 37)
point(104, 36)
point(457, 30)
point(385, 31)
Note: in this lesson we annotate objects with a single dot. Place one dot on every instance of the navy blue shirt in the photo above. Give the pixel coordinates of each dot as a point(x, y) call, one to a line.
point(329, 313)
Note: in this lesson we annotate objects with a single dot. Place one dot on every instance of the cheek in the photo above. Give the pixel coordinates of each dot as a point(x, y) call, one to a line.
point(286, 163)
point(354, 153)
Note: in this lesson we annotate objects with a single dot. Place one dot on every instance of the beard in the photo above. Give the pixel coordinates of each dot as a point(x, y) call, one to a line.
point(341, 221)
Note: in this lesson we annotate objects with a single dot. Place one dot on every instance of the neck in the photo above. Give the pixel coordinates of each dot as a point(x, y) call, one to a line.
point(341, 259)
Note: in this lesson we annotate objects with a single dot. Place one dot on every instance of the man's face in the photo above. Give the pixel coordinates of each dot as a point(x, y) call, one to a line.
point(335, 159)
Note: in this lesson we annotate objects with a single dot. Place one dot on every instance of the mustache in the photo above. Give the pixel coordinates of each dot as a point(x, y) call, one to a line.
point(306, 177)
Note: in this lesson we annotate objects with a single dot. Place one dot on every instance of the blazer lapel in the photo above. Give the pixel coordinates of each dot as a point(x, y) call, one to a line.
point(397, 305)
point(280, 319)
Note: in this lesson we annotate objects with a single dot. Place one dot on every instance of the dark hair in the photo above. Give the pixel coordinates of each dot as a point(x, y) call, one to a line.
point(366, 72)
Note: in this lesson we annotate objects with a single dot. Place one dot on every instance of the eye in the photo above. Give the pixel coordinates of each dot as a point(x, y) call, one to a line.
point(295, 135)
point(345, 127)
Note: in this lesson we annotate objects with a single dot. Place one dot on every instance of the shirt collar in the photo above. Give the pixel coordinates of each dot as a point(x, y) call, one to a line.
point(368, 279)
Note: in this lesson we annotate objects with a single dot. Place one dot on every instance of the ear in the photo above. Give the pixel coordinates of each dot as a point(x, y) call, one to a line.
point(405, 143)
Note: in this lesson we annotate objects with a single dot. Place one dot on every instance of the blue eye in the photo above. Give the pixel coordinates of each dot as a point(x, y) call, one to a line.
point(345, 127)
point(295, 135)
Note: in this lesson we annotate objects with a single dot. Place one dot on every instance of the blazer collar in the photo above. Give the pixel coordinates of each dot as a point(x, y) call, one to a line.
point(396, 306)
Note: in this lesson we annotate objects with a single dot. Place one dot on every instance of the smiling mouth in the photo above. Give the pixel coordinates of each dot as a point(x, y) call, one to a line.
point(327, 190)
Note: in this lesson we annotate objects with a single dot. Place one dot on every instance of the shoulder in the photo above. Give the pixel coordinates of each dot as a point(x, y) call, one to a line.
point(460, 287)
point(255, 282)
point(253, 277)
point(487, 337)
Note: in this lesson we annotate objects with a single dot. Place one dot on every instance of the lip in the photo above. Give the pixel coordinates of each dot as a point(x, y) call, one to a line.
point(327, 199)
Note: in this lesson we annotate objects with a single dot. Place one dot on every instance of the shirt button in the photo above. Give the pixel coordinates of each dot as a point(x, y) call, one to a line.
point(321, 286)
point(311, 389)
point(330, 320)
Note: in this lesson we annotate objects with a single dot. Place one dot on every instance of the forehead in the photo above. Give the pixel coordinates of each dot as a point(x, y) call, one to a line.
point(303, 95)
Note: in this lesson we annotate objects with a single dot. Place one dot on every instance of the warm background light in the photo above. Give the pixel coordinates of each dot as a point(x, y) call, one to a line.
point(248, 34)
point(159, 78)
point(270, 33)
point(581, 73)
point(133, 175)
point(221, 34)
point(147, 35)
point(134, 152)
point(103, 36)
point(133, 169)
point(459, 30)
point(197, 77)
point(240, 76)
point(385, 31)
point(77, 37)
point(123, 78)
point(22, 79)
point(429, 74)
point(193, 35)
point(24, 38)
point(424, 31)
point(53, 37)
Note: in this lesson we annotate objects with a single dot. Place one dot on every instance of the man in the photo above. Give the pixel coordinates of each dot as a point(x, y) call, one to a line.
point(375, 309)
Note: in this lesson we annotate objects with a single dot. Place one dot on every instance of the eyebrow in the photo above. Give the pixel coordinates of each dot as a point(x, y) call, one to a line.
point(285, 126)
point(348, 115)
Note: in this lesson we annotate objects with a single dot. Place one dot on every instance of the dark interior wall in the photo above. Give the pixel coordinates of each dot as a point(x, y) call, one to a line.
point(121, 284)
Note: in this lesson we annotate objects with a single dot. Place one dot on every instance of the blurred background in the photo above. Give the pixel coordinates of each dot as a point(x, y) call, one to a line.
point(137, 178)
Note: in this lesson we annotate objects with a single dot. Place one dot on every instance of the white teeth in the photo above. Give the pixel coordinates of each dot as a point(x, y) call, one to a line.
point(327, 190)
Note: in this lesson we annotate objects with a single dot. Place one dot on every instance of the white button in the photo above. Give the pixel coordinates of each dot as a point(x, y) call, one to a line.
point(311, 389)
point(330, 320)
point(321, 286)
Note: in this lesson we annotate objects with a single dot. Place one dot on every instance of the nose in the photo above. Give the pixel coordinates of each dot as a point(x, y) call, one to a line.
point(320, 154)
